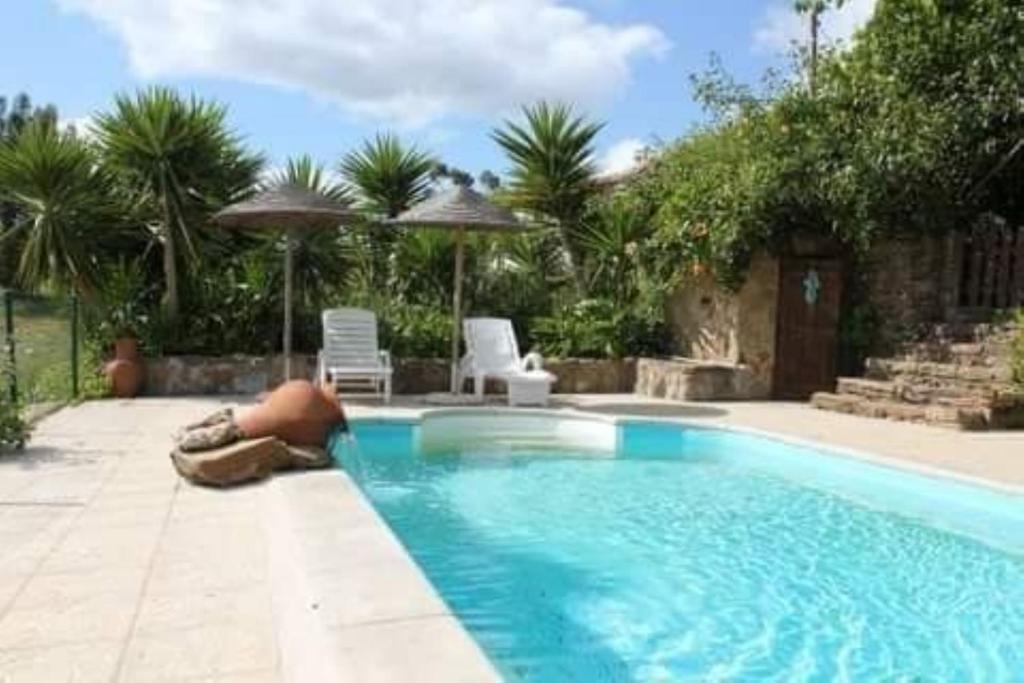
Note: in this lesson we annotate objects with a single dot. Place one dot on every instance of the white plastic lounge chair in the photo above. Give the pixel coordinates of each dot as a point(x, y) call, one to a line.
point(492, 351)
point(350, 357)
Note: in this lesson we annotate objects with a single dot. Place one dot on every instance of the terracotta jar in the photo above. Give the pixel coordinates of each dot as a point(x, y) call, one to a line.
point(297, 412)
point(125, 371)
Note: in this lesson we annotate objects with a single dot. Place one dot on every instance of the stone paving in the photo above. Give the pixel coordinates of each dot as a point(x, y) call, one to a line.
point(112, 569)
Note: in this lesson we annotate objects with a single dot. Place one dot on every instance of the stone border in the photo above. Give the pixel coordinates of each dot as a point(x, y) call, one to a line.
point(349, 602)
point(248, 375)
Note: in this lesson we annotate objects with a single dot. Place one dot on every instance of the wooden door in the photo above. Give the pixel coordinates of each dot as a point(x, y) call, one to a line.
point(807, 345)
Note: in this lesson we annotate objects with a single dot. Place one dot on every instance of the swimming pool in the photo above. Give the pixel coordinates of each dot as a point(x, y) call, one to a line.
point(584, 549)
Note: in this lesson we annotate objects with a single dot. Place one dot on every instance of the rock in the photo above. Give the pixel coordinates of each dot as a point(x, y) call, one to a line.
point(246, 461)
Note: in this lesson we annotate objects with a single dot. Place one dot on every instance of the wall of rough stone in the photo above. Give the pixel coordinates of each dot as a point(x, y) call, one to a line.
point(233, 375)
point(712, 323)
point(911, 283)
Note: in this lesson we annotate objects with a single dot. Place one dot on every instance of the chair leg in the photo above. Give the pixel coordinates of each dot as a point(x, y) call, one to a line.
point(478, 386)
point(387, 389)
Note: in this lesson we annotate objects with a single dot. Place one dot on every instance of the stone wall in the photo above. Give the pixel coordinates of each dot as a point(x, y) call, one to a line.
point(711, 323)
point(685, 379)
point(233, 375)
point(911, 283)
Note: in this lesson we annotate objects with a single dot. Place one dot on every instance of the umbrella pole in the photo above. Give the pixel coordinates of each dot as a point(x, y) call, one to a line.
point(460, 245)
point(287, 345)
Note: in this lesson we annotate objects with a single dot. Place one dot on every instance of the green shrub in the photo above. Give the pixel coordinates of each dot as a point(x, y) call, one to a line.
point(415, 331)
point(13, 431)
point(599, 328)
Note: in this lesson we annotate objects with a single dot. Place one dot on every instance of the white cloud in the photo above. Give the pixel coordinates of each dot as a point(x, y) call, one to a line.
point(81, 124)
point(621, 157)
point(409, 61)
point(781, 26)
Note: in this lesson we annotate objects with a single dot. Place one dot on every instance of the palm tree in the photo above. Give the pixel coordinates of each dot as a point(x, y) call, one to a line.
point(389, 178)
point(63, 200)
point(181, 162)
point(814, 9)
point(552, 169)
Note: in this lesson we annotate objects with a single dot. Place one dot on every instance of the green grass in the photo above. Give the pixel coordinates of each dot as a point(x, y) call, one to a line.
point(42, 334)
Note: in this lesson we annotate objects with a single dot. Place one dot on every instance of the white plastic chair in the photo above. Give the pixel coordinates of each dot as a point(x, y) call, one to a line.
point(492, 351)
point(350, 357)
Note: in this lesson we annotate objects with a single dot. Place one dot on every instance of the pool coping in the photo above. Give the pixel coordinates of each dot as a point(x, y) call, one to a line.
point(328, 582)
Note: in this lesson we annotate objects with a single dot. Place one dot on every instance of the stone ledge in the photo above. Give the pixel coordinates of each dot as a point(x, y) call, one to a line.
point(685, 379)
point(248, 375)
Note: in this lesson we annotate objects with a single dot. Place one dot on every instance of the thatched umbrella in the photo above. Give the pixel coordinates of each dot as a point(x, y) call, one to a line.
point(459, 209)
point(288, 208)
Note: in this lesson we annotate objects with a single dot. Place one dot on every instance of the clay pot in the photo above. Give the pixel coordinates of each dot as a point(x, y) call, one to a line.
point(125, 371)
point(297, 412)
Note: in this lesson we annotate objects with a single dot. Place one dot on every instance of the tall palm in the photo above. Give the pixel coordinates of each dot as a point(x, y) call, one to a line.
point(389, 177)
point(814, 9)
point(552, 157)
point(322, 258)
point(182, 162)
point(63, 200)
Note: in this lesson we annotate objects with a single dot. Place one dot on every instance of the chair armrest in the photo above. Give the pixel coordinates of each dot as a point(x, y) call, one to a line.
point(385, 358)
point(532, 361)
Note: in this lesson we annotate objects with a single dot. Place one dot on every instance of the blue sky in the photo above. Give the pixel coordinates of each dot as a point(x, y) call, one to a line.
point(317, 76)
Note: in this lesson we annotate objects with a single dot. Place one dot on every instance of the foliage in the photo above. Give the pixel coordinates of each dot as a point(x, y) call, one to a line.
point(598, 328)
point(180, 162)
point(64, 201)
point(1017, 350)
point(235, 308)
point(15, 114)
point(912, 129)
point(13, 431)
point(411, 331)
point(389, 175)
point(552, 169)
point(123, 307)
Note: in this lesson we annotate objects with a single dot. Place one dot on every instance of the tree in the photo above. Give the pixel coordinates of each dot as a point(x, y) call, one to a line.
point(814, 9)
point(15, 114)
point(452, 173)
point(181, 162)
point(552, 169)
point(63, 201)
point(389, 176)
point(489, 179)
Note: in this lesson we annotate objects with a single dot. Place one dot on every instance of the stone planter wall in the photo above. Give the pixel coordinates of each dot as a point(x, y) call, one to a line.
point(685, 379)
point(233, 375)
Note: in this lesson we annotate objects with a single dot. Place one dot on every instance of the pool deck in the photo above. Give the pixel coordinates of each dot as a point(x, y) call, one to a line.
point(113, 569)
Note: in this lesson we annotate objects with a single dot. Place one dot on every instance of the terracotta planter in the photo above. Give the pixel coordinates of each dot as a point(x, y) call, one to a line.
point(125, 371)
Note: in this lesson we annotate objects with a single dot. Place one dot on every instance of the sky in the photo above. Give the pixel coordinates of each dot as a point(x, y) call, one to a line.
point(319, 76)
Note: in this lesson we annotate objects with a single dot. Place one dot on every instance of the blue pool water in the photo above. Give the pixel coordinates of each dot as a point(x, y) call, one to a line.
point(685, 554)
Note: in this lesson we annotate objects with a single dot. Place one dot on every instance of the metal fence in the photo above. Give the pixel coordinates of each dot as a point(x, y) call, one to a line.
point(39, 338)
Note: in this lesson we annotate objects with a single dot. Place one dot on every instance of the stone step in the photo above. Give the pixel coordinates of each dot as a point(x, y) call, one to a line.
point(949, 392)
point(891, 369)
point(867, 388)
point(971, 418)
point(974, 354)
